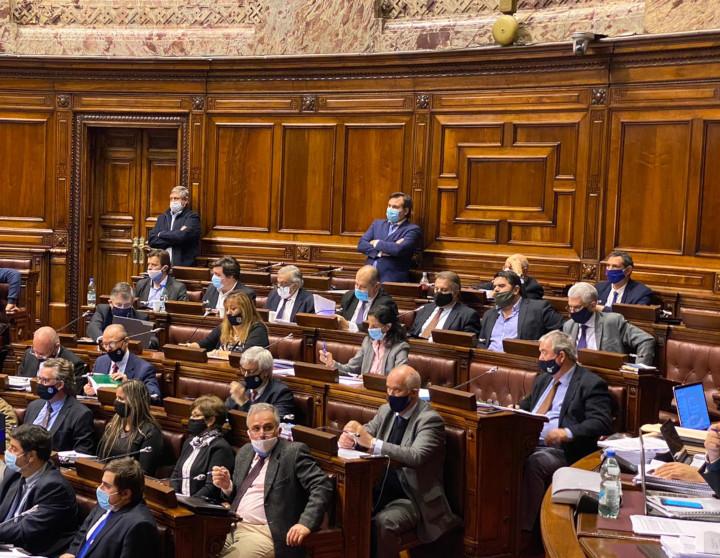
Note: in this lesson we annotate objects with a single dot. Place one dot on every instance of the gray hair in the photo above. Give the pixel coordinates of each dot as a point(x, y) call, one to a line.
point(294, 272)
point(585, 291)
point(263, 407)
point(181, 191)
point(561, 342)
point(122, 290)
point(262, 357)
point(64, 372)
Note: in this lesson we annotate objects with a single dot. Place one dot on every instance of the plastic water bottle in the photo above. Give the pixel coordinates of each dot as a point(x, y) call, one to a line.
point(425, 283)
point(610, 487)
point(163, 299)
point(286, 427)
point(91, 292)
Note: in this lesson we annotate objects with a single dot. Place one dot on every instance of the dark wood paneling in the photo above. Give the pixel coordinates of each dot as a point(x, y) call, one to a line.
point(709, 224)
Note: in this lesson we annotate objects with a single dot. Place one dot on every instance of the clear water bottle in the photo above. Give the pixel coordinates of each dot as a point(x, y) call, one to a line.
point(610, 487)
point(286, 427)
point(91, 292)
point(163, 300)
point(425, 283)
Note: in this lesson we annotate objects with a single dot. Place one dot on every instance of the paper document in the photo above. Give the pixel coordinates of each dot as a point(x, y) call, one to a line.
point(324, 306)
point(657, 526)
point(351, 381)
point(19, 383)
point(351, 454)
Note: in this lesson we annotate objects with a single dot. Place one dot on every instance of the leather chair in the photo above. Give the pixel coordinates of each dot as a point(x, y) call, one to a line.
point(434, 370)
point(177, 334)
point(192, 388)
point(505, 385)
point(289, 348)
point(342, 283)
point(304, 409)
point(260, 301)
point(195, 296)
point(172, 447)
point(338, 413)
point(20, 412)
point(341, 352)
point(619, 396)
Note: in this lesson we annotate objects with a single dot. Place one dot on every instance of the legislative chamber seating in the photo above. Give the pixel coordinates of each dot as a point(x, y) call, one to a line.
point(177, 334)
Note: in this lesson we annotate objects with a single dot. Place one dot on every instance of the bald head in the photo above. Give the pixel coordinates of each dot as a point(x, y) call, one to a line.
point(46, 342)
point(367, 279)
point(114, 333)
point(404, 377)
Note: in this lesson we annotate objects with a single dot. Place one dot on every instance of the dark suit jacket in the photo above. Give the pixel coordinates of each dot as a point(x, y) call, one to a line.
point(73, 428)
point(136, 369)
point(348, 303)
point(296, 491)
point(586, 410)
point(128, 533)
point(29, 365)
point(461, 318)
point(150, 436)
point(304, 303)
point(530, 288)
point(49, 530)
point(103, 317)
point(276, 393)
point(635, 293)
point(257, 337)
point(394, 264)
point(712, 476)
point(13, 278)
point(217, 454)
point(211, 294)
point(536, 318)
point(175, 290)
point(185, 244)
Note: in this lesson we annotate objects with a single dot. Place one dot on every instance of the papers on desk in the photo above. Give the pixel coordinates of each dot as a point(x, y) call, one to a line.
point(324, 306)
point(19, 383)
point(218, 354)
point(680, 507)
point(691, 547)
point(352, 454)
point(681, 487)
point(482, 405)
point(629, 448)
point(70, 456)
point(657, 526)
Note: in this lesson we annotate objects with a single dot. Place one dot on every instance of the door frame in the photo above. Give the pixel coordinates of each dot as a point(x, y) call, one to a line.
point(79, 188)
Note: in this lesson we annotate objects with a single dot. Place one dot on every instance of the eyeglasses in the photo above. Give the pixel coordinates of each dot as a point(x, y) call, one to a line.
point(122, 305)
point(113, 345)
point(46, 381)
point(572, 309)
point(246, 372)
point(256, 429)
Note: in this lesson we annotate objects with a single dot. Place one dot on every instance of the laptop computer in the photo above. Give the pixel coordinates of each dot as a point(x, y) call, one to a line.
point(140, 330)
point(692, 406)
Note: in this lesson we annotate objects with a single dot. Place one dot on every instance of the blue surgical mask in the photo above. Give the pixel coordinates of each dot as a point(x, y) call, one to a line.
point(550, 366)
point(264, 447)
point(582, 315)
point(216, 281)
point(362, 296)
point(615, 275)
point(376, 333)
point(155, 275)
point(103, 499)
point(398, 403)
point(11, 462)
point(176, 206)
point(393, 215)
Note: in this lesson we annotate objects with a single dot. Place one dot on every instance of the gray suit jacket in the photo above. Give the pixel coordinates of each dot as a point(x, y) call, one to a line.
point(296, 490)
point(613, 333)
point(362, 361)
point(422, 456)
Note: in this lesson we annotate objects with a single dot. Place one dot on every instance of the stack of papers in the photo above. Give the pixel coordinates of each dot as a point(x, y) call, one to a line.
point(691, 547)
point(19, 383)
point(680, 507)
point(682, 487)
point(629, 448)
point(324, 306)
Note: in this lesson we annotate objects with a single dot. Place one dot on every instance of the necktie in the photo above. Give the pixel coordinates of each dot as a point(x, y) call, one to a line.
point(281, 310)
point(16, 501)
point(46, 419)
point(91, 539)
point(392, 230)
point(361, 312)
point(582, 340)
point(427, 332)
point(546, 405)
point(614, 298)
point(247, 483)
point(397, 431)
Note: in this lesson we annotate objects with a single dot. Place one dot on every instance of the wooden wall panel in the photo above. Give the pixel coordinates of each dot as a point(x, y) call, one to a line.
point(709, 224)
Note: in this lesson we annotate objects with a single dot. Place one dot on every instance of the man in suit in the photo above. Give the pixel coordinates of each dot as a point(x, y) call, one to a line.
point(45, 345)
point(13, 278)
point(289, 297)
point(390, 243)
point(446, 312)
point(412, 496)
point(515, 317)
point(121, 304)
point(177, 230)
point(121, 364)
point(579, 410)
point(34, 487)
point(277, 490)
point(120, 525)
point(368, 294)
point(592, 329)
point(619, 286)
point(225, 278)
point(257, 385)
point(70, 422)
point(159, 283)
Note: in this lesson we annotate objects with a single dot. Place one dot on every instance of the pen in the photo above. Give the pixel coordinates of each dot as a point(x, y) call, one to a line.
point(324, 347)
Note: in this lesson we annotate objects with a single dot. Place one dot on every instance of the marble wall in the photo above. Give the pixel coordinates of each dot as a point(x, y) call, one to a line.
point(149, 28)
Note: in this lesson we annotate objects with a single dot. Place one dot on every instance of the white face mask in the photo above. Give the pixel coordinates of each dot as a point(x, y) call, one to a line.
point(283, 292)
point(264, 447)
point(176, 206)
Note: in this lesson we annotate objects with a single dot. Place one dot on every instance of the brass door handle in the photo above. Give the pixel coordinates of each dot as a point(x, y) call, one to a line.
point(141, 250)
point(135, 250)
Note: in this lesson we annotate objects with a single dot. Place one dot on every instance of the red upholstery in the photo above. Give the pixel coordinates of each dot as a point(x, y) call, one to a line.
point(194, 296)
point(434, 370)
point(290, 348)
point(688, 362)
point(172, 446)
point(192, 388)
point(341, 352)
point(183, 333)
point(407, 317)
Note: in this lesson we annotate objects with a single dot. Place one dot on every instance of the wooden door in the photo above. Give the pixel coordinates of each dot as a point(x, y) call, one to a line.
point(132, 171)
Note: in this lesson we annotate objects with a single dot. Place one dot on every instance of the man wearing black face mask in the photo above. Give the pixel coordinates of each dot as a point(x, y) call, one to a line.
point(579, 410)
point(446, 312)
point(257, 384)
point(69, 422)
point(604, 331)
point(412, 434)
point(121, 304)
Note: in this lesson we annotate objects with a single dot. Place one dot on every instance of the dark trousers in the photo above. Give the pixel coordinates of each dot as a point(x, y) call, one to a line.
point(539, 468)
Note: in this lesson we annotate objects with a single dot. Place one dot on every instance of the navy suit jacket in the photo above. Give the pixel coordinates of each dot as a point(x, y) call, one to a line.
point(185, 244)
point(394, 264)
point(304, 303)
point(29, 365)
point(276, 393)
point(461, 318)
point(635, 293)
point(536, 318)
point(73, 428)
point(49, 530)
point(136, 369)
point(130, 532)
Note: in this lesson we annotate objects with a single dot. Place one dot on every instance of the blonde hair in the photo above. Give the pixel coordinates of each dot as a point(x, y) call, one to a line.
point(249, 315)
point(518, 263)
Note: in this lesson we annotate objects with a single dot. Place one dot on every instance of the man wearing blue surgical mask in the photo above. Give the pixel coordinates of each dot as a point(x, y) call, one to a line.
point(368, 294)
point(390, 243)
point(412, 434)
point(177, 230)
point(159, 284)
point(619, 287)
point(224, 279)
point(289, 297)
point(122, 297)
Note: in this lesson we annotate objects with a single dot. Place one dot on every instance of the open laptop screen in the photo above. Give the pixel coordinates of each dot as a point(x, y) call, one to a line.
point(692, 406)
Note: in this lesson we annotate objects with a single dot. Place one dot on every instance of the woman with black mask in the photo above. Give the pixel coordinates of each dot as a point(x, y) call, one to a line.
point(240, 329)
point(204, 449)
point(133, 428)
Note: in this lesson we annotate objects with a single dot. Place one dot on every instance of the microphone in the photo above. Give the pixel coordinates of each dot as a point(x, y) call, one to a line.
point(155, 330)
point(329, 271)
point(80, 317)
point(146, 449)
point(200, 477)
point(269, 267)
point(478, 376)
point(202, 320)
point(18, 516)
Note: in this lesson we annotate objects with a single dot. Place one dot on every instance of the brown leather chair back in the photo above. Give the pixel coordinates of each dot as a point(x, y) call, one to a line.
point(192, 388)
point(184, 333)
point(338, 414)
point(260, 301)
point(172, 446)
point(341, 352)
point(342, 283)
point(454, 472)
point(20, 412)
point(688, 362)
point(195, 296)
point(506, 385)
point(434, 370)
point(289, 348)
point(407, 317)
point(304, 409)
point(619, 396)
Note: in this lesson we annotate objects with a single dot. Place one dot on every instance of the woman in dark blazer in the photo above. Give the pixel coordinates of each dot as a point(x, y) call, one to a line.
point(204, 449)
point(240, 329)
